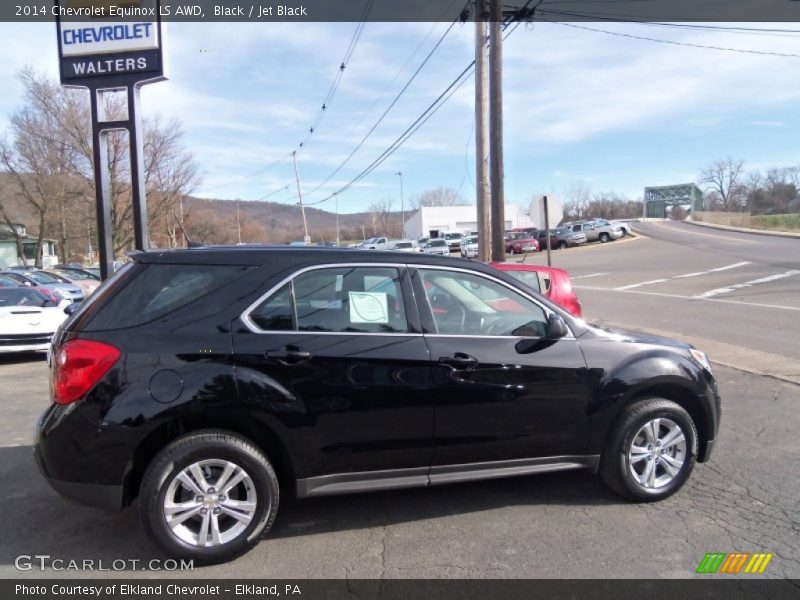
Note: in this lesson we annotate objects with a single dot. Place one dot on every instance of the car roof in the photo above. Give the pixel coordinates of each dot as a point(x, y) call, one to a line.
point(527, 267)
point(262, 254)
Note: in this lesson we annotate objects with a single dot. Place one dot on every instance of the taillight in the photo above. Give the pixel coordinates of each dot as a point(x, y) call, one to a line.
point(79, 365)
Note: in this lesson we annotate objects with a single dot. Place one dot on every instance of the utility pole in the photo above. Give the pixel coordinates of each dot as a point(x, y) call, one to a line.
point(482, 133)
point(402, 204)
point(336, 197)
point(307, 238)
point(496, 128)
point(547, 231)
point(238, 222)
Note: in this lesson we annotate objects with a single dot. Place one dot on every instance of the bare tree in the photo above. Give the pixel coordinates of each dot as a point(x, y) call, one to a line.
point(723, 184)
point(577, 200)
point(50, 159)
point(441, 196)
point(379, 216)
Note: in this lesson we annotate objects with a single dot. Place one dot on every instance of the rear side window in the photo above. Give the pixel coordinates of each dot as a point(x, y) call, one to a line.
point(336, 300)
point(158, 290)
point(530, 278)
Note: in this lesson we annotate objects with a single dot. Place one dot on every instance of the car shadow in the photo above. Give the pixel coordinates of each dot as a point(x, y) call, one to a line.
point(16, 358)
point(38, 521)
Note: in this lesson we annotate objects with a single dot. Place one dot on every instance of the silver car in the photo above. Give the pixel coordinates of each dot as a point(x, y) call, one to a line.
point(33, 278)
point(598, 230)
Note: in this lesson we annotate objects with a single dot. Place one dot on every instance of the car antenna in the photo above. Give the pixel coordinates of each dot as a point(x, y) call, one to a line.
point(189, 242)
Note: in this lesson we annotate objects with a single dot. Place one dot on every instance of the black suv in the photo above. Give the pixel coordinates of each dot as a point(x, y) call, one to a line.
point(208, 382)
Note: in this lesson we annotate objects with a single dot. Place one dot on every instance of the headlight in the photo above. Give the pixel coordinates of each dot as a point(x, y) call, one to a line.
point(701, 358)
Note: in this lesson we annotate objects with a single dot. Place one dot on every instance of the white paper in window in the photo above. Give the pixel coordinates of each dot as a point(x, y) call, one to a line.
point(368, 307)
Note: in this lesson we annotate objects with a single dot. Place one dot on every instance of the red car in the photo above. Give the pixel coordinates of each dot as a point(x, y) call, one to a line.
point(549, 281)
point(520, 242)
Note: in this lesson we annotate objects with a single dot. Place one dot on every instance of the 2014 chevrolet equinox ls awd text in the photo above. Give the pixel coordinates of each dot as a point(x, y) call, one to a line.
point(209, 382)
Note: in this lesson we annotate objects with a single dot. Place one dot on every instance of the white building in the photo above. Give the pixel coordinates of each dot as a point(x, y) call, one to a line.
point(435, 220)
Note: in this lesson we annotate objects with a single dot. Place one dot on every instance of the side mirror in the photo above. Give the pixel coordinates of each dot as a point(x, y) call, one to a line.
point(70, 308)
point(556, 327)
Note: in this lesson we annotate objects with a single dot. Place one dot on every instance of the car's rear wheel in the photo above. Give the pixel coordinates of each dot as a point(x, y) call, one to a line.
point(651, 450)
point(511, 250)
point(604, 238)
point(208, 496)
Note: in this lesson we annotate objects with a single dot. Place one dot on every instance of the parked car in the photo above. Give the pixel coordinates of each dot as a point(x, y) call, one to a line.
point(469, 246)
point(404, 246)
point(84, 280)
point(560, 238)
point(625, 226)
point(5, 282)
point(436, 246)
point(376, 243)
point(520, 242)
point(597, 230)
point(28, 319)
point(49, 284)
point(210, 382)
point(551, 282)
point(453, 239)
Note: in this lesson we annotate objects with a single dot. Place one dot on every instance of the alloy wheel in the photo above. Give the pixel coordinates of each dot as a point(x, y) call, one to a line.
point(657, 453)
point(209, 503)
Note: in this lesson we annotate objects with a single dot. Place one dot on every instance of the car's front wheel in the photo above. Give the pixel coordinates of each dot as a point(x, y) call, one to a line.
point(208, 496)
point(562, 245)
point(651, 451)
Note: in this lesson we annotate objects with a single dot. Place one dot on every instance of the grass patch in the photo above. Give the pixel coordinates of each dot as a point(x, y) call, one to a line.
point(777, 222)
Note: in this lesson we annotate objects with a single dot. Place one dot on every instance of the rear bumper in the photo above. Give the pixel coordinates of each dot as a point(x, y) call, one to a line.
point(25, 348)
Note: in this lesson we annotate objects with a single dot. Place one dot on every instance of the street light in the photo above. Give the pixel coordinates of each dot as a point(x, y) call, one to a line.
point(402, 205)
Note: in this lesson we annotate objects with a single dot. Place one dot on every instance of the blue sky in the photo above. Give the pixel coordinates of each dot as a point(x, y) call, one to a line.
point(609, 112)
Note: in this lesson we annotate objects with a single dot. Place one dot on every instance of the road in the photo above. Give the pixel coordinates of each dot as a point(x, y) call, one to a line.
point(555, 525)
point(734, 295)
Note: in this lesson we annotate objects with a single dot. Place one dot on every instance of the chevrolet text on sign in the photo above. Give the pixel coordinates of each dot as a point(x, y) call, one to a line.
point(94, 43)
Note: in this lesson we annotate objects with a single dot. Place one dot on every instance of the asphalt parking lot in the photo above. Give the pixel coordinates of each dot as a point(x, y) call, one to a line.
point(556, 525)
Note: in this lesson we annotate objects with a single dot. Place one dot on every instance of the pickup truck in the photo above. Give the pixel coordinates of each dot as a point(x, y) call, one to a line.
point(376, 243)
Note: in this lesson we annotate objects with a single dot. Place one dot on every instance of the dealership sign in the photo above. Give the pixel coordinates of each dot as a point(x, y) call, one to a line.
point(100, 42)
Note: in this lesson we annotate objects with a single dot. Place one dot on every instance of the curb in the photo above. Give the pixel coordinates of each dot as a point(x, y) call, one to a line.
point(784, 234)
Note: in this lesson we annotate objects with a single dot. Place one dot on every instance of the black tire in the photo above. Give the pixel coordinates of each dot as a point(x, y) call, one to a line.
point(511, 250)
point(615, 465)
point(562, 245)
point(604, 238)
point(201, 445)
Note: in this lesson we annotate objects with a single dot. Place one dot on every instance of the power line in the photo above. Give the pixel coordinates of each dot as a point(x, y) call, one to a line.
point(676, 43)
point(342, 66)
point(385, 112)
point(451, 89)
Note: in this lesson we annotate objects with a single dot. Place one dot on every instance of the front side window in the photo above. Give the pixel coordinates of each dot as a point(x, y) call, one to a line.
point(466, 304)
point(336, 300)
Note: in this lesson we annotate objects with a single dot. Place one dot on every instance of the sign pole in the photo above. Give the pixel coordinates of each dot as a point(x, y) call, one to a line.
point(105, 247)
point(131, 59)
point(138, 190)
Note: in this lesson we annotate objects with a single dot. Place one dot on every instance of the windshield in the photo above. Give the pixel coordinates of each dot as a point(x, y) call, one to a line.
point(40, 277)
point(24, 297)
point(437, 243)
point(404, 245)
point(473, 239)
point(452, 236)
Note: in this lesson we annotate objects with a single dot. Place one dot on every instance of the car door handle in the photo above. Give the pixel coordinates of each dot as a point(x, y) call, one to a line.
point(459, 361)
point(290, 355)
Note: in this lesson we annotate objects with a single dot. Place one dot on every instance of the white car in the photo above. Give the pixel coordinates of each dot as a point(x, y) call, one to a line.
point(28, 319)
point(404, 246)
point(469, 246)
point(436, 246)
point(453, 240)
